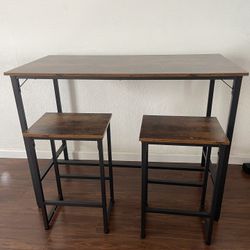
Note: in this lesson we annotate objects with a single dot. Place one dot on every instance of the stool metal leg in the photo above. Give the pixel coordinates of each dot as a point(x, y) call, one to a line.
point(216, 194)
point(144, 189)
point(230, 128)
point(57, 174)
point(103, 188)
point(111, 187)
point(205, 178)
point(38, 184)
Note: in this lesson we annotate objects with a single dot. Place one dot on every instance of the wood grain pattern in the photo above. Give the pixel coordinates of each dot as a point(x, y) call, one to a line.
point(129, 67)
point(75, 126)
point(182, 130)
point(21, 226)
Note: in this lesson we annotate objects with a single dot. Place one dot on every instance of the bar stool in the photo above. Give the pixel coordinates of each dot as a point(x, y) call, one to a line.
point(72, 126)
point(182, 131)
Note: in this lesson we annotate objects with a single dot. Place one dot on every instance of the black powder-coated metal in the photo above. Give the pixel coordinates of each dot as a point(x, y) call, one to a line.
point(74, 203)
point(59, 110)
point(27, 143)
point(177, 212)
point(83, 177)
point(210, 98)
point(230, 129)
point(228, 85)
point(175, 183)
point(110, 165)
point(51, 163)
point(208, 114)
point(44, 174)
point(57, 174)
point(103, 188)
point(134, 164)
point(31, 153)
point(144, 188)
point(205, 179)
point(47, 218)
point(246, 168)
point(52, 212)
point(216, 193)
point(111, 204)
point(210, 216)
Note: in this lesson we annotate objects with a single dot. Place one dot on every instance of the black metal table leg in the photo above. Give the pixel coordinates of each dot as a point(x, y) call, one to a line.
point(24, 126)
point(103, 188)
point(147, 175)
point(57, 174)
point(246, 168)
point(59, 110)
point(31, 153)
point(209, 111)
point(144, 188)
point(111, 184)
point(230, 128)
point(216, 194)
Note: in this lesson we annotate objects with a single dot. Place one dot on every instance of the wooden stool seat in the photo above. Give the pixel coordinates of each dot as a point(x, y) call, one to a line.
point(71, 126)
point(182, 130)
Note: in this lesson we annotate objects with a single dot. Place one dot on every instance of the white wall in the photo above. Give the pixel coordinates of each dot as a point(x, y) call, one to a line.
point(30, 29)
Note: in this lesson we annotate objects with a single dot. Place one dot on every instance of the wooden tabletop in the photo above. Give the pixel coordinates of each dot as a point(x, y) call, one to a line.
point(182, 130)
point(129, 67)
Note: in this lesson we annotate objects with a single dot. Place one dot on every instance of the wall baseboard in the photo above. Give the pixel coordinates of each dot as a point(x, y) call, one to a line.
point(120, 156)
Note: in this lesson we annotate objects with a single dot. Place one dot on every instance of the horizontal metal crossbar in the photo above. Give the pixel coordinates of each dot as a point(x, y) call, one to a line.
point(178, 168)
point(175, 182)
point(177, 212)
point(135, 164)
point(87, 177)
point(80, 162)
point(73, 203)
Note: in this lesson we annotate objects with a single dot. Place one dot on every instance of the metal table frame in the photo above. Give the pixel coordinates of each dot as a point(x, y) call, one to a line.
point(30, 149)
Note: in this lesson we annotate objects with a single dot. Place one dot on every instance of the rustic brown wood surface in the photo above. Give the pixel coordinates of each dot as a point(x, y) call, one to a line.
point(129, 67)
point(77, 126)
point(184, 130)
point(21, 226)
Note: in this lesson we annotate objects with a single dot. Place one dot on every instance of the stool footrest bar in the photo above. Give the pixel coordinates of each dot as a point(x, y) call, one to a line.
point(177, 212)
point(86, 177)
point(79, 162)
point(135, 164)
point(177, 168)
point(175, 182)
point(73, 203)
